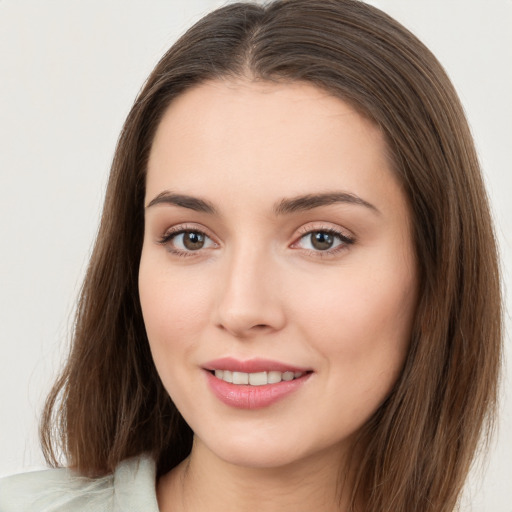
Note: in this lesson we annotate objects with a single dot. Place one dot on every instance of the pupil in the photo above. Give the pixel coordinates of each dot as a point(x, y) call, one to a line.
point(193, 240)
point(322, 240)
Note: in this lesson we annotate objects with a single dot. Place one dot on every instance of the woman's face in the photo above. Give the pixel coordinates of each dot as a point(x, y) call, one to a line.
point(277, 246)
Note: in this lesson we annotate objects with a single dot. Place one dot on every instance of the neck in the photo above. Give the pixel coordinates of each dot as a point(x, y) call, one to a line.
point(205, 482)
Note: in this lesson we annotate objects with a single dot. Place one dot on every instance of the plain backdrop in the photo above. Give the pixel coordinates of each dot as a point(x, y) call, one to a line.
point(69, 72)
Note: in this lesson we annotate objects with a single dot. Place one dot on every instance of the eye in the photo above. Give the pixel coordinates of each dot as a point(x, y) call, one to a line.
point(183, 241)
point(323, 240)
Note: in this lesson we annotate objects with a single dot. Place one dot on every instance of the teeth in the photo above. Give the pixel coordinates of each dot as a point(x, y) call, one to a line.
point(256, 379)
point(274, 377)
point(240, 378)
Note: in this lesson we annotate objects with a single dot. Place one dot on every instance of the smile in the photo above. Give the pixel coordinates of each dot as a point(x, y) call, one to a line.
point(254, 384)
point(257, 378)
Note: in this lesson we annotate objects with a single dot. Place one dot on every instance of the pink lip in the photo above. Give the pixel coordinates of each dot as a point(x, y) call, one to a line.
point(252, 366)
point(252, 397)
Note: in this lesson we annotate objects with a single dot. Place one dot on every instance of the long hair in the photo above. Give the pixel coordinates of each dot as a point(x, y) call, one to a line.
point(417, 448)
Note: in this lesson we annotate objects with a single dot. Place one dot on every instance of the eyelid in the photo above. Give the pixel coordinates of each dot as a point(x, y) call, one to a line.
point(345, 236)
point(325, 226)
point(178, 229)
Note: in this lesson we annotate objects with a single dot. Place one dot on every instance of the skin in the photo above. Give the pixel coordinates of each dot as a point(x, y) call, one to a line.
point(259, 288)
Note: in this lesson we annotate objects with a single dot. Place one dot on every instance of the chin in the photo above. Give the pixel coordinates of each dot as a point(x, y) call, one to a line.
point(264, 450)
point(263, 456)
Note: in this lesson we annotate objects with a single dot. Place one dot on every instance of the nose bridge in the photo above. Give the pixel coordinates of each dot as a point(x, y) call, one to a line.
point(249, 300)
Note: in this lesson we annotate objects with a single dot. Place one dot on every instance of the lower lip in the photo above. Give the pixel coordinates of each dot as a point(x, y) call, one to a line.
point(243, 396)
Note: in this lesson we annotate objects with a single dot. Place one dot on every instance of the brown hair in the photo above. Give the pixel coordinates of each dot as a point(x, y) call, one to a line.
point(109, 403)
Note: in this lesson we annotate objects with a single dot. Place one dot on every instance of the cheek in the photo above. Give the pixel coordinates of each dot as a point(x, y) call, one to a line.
point(360, 320)
point(358, 311)
point(175, 309)
point(171, 301)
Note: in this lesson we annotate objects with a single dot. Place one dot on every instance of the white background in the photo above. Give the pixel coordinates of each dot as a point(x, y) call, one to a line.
point(69, 72)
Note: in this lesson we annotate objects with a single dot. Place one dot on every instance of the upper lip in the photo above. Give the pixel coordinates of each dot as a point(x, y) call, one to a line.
point(252, 365)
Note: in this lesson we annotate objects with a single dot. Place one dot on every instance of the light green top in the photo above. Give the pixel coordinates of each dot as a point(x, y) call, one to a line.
point(131, 488)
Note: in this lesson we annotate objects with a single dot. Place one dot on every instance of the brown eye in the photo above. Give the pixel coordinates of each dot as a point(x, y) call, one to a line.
point(322, 240)
point(187, 241)
point(193, 240)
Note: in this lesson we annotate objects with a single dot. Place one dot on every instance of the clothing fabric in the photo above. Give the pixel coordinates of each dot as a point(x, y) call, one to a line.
point(131, 488)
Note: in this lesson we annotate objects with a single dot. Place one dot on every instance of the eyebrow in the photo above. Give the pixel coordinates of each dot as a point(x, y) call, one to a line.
point(185, 201)
point(283, 207)
point(311, 201)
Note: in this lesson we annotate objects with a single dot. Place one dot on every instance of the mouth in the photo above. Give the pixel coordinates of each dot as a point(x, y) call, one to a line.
point(254, 384)
point(257, 378)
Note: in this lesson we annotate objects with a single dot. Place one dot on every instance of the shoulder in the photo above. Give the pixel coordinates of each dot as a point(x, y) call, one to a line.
point(53, 490)
point(130, 488)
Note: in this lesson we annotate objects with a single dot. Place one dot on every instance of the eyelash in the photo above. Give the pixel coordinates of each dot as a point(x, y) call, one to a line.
point(304, 232)
point(342, 237)
point(175, 231)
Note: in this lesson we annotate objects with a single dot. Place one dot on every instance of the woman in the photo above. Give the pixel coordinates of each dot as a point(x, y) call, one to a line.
point(294, 295)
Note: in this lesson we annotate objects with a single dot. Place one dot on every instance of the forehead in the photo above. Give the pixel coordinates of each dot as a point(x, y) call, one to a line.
point(268, 112)
point(244, 138)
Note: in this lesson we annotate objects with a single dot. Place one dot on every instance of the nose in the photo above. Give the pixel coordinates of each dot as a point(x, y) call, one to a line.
point(250, 301)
